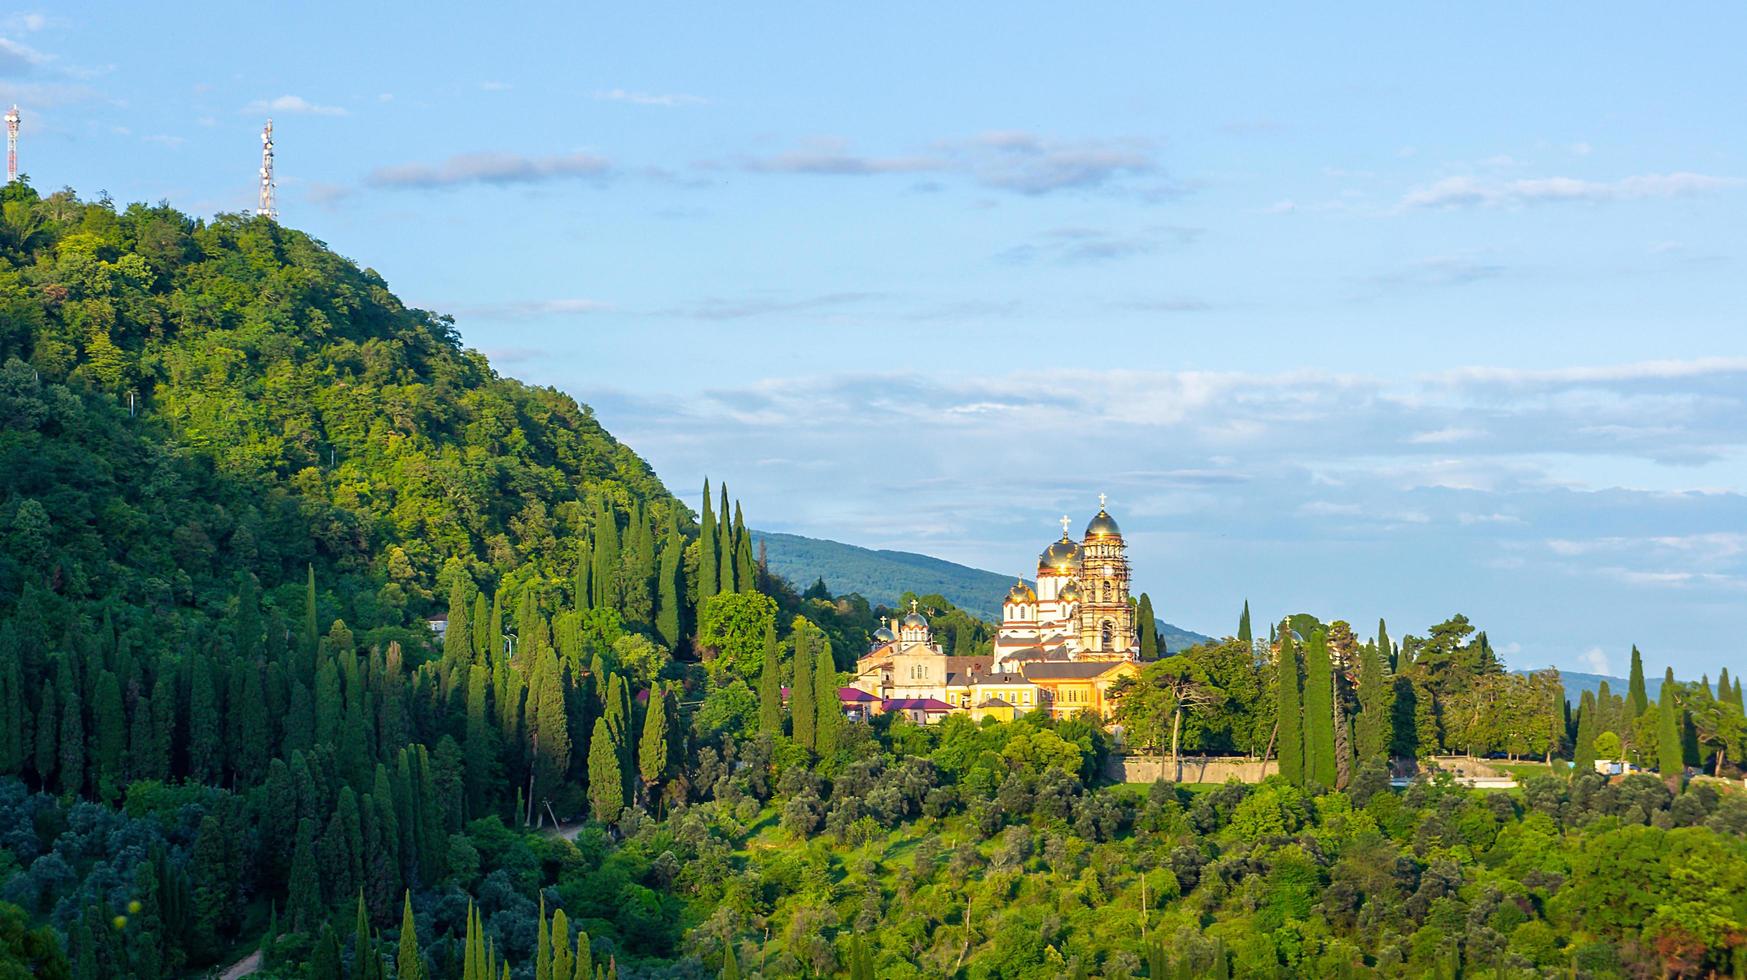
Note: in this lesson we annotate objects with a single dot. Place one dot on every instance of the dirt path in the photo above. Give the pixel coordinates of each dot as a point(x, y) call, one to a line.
point(243, 967)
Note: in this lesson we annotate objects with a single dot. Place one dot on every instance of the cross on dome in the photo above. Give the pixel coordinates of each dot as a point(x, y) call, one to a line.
point(1065, 523)
point(912, 605)
point(1100, 501)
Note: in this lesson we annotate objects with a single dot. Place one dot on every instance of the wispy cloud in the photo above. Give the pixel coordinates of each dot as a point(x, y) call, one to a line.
point(19, 59)
point(1083, 244)
point(758, 306)
point(532, 309)
point(1442, 270)
point(1010, 160)
point(1457, 192)
point(665, 100)
point(496, 169)
point(294, 105)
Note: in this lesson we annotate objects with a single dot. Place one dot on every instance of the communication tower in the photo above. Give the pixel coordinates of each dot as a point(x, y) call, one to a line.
point(266, 207)
point(12, 144)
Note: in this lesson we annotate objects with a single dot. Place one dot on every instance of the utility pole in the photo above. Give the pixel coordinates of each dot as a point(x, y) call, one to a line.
point(12, 144)
point(266, 208)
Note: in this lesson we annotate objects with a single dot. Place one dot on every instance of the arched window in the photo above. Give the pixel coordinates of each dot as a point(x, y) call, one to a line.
point(1106, 591)
point(1107, 636)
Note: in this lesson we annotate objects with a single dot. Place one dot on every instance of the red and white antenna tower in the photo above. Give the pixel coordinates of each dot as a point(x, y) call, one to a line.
point(266, 207)
point(12, 144)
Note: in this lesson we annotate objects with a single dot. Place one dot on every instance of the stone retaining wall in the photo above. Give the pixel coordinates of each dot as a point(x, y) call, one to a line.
point(1196, 769)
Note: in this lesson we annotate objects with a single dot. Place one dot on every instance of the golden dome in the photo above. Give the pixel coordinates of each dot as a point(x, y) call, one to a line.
point(1070, 591)
point(1061, 556)
point(1020, 592)
point(1103, 526)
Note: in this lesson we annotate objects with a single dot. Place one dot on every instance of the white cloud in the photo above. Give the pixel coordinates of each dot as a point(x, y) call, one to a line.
point(294, 104)
point(19, 59)
point(1448, 434)
point(1011, 160)
point(1596, 659)
point(499, 169)
point(665, 100)
point(1454, 192)
point(532, 309)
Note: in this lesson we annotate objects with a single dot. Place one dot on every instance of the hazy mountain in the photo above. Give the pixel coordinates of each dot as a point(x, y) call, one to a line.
point(882, 576)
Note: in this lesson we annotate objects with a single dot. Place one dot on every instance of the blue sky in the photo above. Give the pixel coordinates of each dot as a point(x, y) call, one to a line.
point(1365, 310)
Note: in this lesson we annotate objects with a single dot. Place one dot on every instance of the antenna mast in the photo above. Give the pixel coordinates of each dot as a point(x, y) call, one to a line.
point(12, 144)
point(266, 207)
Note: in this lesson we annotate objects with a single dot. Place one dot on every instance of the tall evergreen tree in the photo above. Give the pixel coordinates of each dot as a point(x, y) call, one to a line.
point(480, 620)
point(1384, 647)
point(1670, 753)
point(542, 945)
point(1376, 705)
point(606, 796)
point(828, 729)
point(48, 726)
point(770, 695)
point(1243, 626)
point(496, 631)
point(1638, 696)
point(803, 713)
point(725, 546)
point(303, 905)
point(549, 728)
point(1147, 627)
point(480, 752)
point(1290, 712)
point(311, 632)
point(669, 589)
point(745, 572)
point(652, 748)
point(1319, 735)
point(709, 572)
point(408, 965)
point(1583, 750)
point(109, 736)
point(70, 767)
point(13, 741)
point(605, 578)
point(458, 634)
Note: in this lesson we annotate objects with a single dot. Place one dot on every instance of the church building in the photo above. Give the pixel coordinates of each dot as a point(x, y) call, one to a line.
point(1059, 648)
point(1080, 609)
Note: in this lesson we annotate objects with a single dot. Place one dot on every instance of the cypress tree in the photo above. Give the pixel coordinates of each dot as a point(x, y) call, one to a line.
point(480, 620)
point(1243, 626)
point(48, 727)
point(71, 764)
point(1385, 647)
point(1670, 754)
point(605, 779)
point(668, 592)
point(1376, 704)
point(1725, 693)
point(1147, 627)
point(652, 749)
point(480, 751)
point(1290, 714)
point(12, 705)
point(803, 712)
point(582, 965)
point(562, 967)
point(254, 729)
point(330, 705)
point(709, 575)
point(549, 733)
point(496, 629)
point(1583, 750)
point(830, 724)
point(725, 547)
point(605, 583)
point(303, 904)
point(458, 635)
point(325, 963)
point(408, 965)
point(311, 632)
point(730, 965)
point(1637, 695)
point(1739, 703)
point(770, 695)
point(163, 744)
point(745, 578)
point(204, 744)
point(1319, 733)
point(542, 945)
point(109, 732)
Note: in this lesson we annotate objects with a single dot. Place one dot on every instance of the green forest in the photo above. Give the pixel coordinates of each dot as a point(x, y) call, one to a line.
point(323, 642)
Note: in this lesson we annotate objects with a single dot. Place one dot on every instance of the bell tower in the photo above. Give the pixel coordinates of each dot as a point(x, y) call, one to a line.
point(1106, 617)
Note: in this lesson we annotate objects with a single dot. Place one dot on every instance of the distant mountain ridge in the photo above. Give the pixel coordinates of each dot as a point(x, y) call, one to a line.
point(881, 576)
point(1576, 682)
